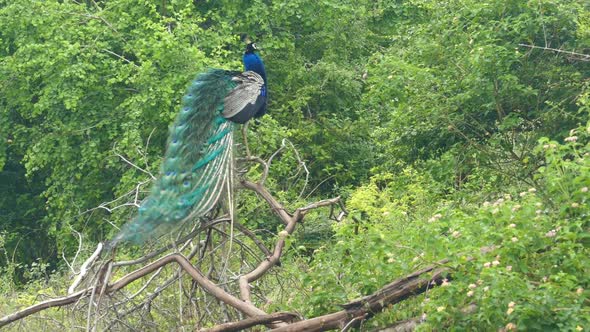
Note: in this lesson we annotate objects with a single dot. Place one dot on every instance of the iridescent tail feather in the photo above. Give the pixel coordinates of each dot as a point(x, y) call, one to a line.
point(197, 164)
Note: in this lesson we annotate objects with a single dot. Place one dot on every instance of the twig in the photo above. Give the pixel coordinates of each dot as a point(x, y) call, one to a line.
point(302, 164)
point(135, 166)
point(581, 57)
point(253, 237)
point(120, 57)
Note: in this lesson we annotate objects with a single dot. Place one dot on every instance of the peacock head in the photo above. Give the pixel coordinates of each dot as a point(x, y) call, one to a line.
point(250, 48)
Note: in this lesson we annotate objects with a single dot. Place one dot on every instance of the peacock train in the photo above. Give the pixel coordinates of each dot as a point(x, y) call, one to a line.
point(197, 166)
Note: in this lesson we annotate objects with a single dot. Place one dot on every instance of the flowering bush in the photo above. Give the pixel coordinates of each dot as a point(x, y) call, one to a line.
point(535, 277)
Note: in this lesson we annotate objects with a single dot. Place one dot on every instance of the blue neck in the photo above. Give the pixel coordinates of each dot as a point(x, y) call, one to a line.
point(254, 63)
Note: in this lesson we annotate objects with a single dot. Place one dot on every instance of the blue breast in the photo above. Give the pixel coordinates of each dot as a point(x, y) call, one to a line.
point(254, 63)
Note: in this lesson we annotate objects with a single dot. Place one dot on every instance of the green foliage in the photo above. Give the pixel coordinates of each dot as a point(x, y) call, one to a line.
point(416, 112)
point(539, 258)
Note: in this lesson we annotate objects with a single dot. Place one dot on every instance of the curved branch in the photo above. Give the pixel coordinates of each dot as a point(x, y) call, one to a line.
point(172, 245)
point(61, 301)
point(209, 286)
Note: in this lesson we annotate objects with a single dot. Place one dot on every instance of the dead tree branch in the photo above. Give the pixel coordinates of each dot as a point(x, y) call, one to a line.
point(253, 321)
point(400, 289)
point(59, 302)
point(197, 276)
point(100, 287)
point(290, 222)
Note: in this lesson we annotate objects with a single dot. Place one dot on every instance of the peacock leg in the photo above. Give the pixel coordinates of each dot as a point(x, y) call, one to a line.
point(245, 138)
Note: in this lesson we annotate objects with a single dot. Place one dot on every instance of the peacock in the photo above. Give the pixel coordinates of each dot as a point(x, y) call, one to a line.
point(197, 165)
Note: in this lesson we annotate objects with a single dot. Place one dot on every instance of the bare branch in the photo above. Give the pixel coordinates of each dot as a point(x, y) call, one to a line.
point(253, 237)
point(172, 245)
point(135, 166)
point(213, 289)
point(59, 302)
point(84, 268)
point(290, 222)
point(120, 57)
point(400, 289)
point(252, 321)
point(577, 56)
point(302, 164)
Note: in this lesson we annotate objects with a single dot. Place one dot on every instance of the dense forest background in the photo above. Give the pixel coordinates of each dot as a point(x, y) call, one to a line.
point(446, 126)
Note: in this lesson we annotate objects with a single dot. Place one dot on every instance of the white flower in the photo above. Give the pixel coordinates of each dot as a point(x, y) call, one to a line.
point(571, 139)
point(445, 283)
point(487, 264)
point(509, 311)
point(495, 263)
point(283, 234)
point(511, 304)
point(435, 217)
point(575, 205)
point(584, 190)
point(551, 233)
point(486, 288)
point(522, 194)
point(494, 211)
point(516, 207)
point(486, 203)
point(512, 225)
point(546, 146)
point(579, 291)
point(441, 308)
point(472, 286)
point(538, 204)
point(514, 239)
point(539, 211)
point(470, 293)
point(532, 190)
point(456, 234)
point(509, 268)
point(510, 327)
